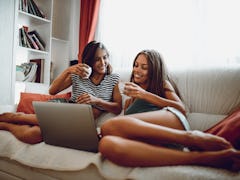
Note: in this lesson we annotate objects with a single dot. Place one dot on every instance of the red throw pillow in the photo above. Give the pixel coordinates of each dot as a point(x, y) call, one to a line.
point(228, 128)
point(25, 103)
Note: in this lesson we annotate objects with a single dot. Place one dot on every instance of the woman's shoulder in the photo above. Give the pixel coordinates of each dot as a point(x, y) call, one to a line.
point(113, 76)
point(168, 86)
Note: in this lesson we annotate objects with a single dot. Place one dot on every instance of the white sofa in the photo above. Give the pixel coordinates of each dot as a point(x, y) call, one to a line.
point(210, 94)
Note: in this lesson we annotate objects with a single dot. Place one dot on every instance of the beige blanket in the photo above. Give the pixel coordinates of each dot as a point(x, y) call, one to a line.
point(45, 156)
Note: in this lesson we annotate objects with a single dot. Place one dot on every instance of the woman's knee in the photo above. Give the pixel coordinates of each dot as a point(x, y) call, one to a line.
point(111, 126)
point(113, 148)
point(107, 127)
point(105, 145)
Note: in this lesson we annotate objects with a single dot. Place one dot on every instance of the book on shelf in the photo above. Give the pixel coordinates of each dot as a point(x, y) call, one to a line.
point(20, 76)
point(37, 11)
point(20, 37)
point(23, 5)
point(38, 37)
point(40, 69)
point(31, 7)
point(31, 76)
point(28, 71)
point(32, 42)
point(23, 38)
point(30, 39)
point(36, 40)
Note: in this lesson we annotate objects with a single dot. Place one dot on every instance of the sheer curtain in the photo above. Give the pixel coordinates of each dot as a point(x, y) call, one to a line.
point(187, 32)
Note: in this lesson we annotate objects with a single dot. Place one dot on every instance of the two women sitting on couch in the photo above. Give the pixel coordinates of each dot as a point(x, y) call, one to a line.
point(154, 129)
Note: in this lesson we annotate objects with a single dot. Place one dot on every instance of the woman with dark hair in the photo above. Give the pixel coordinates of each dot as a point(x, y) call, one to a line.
point(154, 129)
point(100, 90)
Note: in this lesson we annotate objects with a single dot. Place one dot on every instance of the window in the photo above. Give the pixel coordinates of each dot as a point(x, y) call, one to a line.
point(187, 32)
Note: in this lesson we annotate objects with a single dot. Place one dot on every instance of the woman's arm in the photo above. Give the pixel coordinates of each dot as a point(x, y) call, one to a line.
point(64, 80)
point(128, 102)
point(114, 107)
point(171, 99)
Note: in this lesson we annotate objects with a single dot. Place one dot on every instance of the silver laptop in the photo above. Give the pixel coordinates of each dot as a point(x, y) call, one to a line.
point(67, 125)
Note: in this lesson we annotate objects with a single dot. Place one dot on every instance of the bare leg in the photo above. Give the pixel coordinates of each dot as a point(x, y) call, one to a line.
point(132, 128)
point(161, 117)
point(19, 118)
point(127, 152)
point(26, 133)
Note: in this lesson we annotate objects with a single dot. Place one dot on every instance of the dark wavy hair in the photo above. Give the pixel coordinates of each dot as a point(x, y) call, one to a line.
point(88, 55)
point(157, 73)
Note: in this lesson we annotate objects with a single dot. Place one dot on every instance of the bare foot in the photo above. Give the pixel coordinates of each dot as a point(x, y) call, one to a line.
point(3, 126)
point(208, 142)
point(236, 164)
point(25, 133)
point(9, 117)
point(227, 159)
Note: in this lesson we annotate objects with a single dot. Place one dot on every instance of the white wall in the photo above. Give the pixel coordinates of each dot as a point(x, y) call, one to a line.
point(7, 15)
point(60, 57)
point(61, 18)
point(74, 30)
point(65, 34)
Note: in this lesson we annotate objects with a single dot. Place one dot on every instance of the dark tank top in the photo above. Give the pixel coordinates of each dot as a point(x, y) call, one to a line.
point(139, 106)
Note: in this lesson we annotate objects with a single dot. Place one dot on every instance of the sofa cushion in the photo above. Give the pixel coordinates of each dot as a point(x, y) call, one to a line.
point(25, 103)
point(229, 128)
point(211, 90)
point(203, 121)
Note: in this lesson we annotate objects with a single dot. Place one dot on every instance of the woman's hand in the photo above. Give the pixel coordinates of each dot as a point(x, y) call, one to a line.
point(79, 69)
point(86, 98)
point(133, 90)
point(64, 80)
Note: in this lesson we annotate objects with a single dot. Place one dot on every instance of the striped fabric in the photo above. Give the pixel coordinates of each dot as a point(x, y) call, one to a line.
point(104, 90)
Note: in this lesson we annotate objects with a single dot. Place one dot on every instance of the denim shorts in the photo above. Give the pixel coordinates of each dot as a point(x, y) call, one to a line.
point(185, 124)
point(180, 116)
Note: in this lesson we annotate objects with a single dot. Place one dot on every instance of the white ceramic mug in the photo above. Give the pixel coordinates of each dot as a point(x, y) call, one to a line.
point(121, 86)
point(89, 72)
